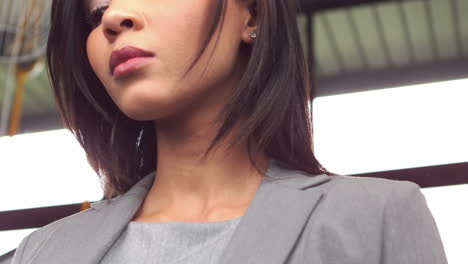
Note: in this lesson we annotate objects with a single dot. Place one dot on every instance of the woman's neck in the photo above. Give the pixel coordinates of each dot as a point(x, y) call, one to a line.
point(189, 188)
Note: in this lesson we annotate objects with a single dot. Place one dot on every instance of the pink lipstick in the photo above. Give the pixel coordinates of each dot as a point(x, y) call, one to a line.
point(127, 60)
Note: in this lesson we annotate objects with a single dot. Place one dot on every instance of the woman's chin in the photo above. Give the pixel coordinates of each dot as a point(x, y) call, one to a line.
point(147, 112)
point(142, 114)
point(141, 105)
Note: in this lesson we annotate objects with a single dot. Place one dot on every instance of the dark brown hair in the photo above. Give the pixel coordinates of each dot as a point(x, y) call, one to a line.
point(273, 94)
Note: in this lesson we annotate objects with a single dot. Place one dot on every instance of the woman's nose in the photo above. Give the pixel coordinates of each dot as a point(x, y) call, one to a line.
point(116, 21)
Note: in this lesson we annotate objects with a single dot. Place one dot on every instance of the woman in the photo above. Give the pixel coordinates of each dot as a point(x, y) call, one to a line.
point(195, 115)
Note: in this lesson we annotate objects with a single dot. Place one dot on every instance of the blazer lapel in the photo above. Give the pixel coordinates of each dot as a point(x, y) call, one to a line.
point(275, 218)
point(94, 231)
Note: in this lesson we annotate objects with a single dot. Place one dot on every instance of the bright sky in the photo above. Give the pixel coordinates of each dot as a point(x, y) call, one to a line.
point(354, 133)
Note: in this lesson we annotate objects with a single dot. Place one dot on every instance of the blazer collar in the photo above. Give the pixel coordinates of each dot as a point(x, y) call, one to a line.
point(279, 209)
point(275, 218)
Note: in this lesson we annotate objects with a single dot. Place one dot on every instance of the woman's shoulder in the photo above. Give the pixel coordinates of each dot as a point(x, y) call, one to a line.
point(41, 236)
point(355, 195)
point(358, 213)
point(342, 191)
point(379, 189)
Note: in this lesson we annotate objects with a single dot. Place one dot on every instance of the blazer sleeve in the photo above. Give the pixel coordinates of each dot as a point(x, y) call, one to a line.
point(410, 234)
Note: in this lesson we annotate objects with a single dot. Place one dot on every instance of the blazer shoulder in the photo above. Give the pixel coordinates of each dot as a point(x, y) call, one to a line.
point(111, 213)
point(409, 232)
point(33, 242)
point(360, 213)
point(367, 187)
point(359, 197)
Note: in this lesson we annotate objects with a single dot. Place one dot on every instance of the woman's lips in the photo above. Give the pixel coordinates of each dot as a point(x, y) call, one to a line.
point(127, 60)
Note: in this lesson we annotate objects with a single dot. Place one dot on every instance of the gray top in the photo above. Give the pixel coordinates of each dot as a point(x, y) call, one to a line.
point(171, 242)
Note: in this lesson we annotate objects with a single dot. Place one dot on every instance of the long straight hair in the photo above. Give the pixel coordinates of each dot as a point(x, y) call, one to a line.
point(273, 94)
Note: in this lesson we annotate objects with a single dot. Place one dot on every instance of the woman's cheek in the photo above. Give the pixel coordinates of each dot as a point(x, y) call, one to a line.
point(95, 57)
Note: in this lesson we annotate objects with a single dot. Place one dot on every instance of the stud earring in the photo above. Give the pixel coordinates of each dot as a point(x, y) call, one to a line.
point(253, 35)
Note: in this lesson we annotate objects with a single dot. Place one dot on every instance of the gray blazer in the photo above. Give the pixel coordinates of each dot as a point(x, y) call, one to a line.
point(293, 218)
